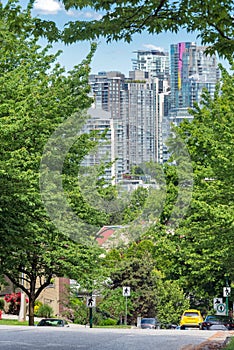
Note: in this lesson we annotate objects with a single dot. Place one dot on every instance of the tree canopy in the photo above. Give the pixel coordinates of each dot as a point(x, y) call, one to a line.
point(199, 252)
point(210, 140)
point(151, 294)
point(37, 95)
point(212, 20)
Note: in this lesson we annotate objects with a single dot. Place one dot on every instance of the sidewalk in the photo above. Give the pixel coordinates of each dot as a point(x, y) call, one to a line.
point(216, 342)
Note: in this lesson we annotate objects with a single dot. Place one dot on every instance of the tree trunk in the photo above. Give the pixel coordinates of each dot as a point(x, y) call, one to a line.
point(31, 312)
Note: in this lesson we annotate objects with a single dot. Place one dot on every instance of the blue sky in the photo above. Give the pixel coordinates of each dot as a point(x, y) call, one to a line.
point(112, 56)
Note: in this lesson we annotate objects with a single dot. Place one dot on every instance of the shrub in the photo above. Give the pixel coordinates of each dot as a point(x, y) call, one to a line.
point(37, 305)
point(45, 311)
point(13, 300)
point(76, 311)
point(107, 322)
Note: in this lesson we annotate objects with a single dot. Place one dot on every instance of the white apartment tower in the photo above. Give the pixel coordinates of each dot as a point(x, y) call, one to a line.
point(101, 121)
point(142, 120)
point(155, 63)
point(133, 104)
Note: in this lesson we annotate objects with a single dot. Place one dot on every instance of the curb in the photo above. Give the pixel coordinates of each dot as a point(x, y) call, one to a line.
point(217, 341)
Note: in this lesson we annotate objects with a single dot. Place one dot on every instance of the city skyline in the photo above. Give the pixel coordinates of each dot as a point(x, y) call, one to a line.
point(138, 110)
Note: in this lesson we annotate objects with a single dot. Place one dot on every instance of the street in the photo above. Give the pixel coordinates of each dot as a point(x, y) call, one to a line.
point(37, 338)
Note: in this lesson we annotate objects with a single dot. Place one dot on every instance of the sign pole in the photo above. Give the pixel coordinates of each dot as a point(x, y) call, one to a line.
point(126, 311)
point(126, 293)
point(90, 303)
point(227, 295)
point(91, 317)
point(227, 304)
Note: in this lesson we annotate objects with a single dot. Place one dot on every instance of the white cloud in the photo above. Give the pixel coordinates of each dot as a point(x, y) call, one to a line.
point(86, 15)
point(153, 47)
point(47, 7)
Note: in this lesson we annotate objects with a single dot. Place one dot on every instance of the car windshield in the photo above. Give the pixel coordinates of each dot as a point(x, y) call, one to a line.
point(50, 322)
point(191, 314)
point(148, 320)
point(218, 318)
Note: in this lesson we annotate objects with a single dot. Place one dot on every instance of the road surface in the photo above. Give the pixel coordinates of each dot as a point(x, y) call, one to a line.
point(81, 338)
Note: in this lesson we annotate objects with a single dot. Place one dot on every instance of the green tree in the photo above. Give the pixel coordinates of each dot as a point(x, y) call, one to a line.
point(113, 304)
point(172, 302)
point(136, 266)
point(139, 275)
point(36, 96)
point(211, 19)
point(200, 249)
point(210, 141)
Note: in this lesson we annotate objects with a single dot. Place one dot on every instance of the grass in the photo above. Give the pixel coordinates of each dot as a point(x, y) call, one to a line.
point(230, 346)
point(13, 322)
point(25, 323)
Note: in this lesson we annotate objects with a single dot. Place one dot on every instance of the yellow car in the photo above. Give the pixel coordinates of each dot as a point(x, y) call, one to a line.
point(191, 318)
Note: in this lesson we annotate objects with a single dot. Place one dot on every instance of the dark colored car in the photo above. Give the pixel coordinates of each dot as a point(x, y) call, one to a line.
point(53, 322)
point(217, 320)
point(150, 323)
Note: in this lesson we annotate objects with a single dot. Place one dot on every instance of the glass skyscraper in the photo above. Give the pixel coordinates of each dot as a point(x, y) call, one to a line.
point(192, 70)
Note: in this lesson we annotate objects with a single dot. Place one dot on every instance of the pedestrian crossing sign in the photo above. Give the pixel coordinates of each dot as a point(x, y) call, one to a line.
point(126, 291)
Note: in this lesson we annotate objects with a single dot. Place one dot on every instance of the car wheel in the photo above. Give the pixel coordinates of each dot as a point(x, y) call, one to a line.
point(182, 327)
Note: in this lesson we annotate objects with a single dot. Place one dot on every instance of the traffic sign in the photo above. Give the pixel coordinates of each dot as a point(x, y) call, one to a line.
point(126, 291)
point(226, 291)
point(217, 301)
point(221, 309)
point(91, 301)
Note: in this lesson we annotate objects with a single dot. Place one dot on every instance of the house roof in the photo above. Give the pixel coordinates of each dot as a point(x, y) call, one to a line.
point(105, 232)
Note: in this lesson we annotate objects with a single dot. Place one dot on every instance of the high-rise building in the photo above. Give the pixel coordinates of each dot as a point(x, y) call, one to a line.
point(155, 63)
point(141, 107)
point(110, 94)
point(133, 106)
point(108, 90)
point(101, 121)
point(192, 70)
point(142, 119)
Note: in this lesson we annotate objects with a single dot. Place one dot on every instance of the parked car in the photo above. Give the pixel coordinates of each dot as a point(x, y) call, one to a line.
point(150, 323)
point(191, 318)
point(218, 327)
point(217, 320)
point(52, 322)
